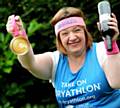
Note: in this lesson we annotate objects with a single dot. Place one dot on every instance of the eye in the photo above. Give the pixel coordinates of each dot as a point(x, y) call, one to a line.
point(77, 30)
point(64, 33)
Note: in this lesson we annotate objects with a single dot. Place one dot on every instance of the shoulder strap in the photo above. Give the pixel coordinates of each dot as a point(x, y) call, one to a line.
point(101, 52)
point(55, 58)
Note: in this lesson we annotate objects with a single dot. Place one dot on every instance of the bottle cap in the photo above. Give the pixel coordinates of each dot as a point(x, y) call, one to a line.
point(19, 45)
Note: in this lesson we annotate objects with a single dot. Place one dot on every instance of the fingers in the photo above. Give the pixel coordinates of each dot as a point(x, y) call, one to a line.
point(18, 21)
point(14, 25)
point(9, 26)
point(98, 25)
point(113, 24)
point(113, 15)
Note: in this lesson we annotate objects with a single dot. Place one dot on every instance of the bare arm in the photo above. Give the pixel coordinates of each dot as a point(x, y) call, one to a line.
point(39, 65)
point(111, 65)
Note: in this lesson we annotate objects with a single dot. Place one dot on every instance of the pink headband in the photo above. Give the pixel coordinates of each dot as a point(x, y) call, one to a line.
point(68, 22)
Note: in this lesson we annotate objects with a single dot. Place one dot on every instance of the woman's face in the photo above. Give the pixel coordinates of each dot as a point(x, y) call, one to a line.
point(73, 39)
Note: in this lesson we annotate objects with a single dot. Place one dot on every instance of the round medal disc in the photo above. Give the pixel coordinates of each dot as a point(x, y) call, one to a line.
point(19, 45)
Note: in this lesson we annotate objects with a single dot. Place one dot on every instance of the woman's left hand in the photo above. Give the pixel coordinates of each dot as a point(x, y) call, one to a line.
point(113, 24)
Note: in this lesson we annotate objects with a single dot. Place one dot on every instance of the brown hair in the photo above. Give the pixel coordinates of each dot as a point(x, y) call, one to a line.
point(65, 13)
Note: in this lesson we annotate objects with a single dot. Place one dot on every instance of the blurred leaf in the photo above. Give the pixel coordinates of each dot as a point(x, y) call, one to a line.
point(14, 89)
point(33, 27)
point(7, 70)
point(1, 37)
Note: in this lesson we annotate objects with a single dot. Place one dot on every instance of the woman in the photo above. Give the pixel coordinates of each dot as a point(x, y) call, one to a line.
point(83, 73)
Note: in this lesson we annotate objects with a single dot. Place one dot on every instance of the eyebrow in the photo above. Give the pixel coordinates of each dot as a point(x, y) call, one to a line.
point(71, 29)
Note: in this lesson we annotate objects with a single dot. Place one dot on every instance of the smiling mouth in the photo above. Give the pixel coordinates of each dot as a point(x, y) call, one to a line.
point(74, 43)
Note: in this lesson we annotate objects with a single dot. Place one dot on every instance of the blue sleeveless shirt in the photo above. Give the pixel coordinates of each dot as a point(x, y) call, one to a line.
point(88, 88)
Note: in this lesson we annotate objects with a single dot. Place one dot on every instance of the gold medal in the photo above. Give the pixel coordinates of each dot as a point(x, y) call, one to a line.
point(19, 45)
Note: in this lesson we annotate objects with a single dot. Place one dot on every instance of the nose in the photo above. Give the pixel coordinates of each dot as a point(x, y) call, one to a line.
point(72, 36)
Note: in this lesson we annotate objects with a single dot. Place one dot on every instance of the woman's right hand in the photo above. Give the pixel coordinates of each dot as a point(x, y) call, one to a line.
point(14, 26)
point(20, 44)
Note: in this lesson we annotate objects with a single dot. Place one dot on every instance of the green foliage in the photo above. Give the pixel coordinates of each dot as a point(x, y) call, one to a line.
point(34, 26)
point(6, 105)
point(12, 90)
point(7, 59)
